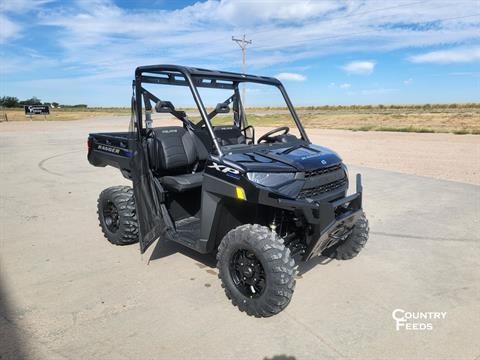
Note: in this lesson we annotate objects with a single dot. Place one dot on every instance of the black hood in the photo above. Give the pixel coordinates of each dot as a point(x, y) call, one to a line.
point(284, 157)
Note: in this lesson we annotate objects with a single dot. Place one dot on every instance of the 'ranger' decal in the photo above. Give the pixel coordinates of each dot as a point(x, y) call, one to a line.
point(108, 149)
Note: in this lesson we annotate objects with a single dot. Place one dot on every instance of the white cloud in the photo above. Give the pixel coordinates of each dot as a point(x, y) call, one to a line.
point(101, 37)
point(457, 55)
point(408, 81)
point(261, 11)
point(290, 76)
point(8, 29)
point(281, 33)
point(20, 6)
point(340, 86)
point(359, 67)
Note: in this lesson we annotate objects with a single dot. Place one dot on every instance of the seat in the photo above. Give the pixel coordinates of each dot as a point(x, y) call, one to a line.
point(203, 136)
point(229, 135)
point(176, 157)
point(185, 182)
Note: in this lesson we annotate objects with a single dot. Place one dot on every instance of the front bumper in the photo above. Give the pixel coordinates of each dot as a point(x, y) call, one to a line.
point(327, 218)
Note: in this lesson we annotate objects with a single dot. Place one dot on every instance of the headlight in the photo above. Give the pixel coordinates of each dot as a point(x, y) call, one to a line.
point(270, 179)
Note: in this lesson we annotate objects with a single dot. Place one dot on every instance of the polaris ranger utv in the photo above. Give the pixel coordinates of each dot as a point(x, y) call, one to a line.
point(257, 202)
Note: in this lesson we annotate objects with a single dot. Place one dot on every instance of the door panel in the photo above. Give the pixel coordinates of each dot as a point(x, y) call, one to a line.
point(149, 215)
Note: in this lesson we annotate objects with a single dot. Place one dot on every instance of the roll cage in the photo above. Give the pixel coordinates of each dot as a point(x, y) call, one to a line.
point(195, 78)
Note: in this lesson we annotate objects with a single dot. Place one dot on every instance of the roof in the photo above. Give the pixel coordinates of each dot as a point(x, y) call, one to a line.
point(199, 74)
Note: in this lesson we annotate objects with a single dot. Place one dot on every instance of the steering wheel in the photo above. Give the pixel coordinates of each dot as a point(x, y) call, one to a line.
point(268, 136)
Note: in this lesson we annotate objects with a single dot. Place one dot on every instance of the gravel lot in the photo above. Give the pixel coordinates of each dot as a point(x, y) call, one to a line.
point(66, 293)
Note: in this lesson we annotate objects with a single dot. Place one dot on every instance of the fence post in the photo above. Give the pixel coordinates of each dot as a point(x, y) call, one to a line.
point(3, 116)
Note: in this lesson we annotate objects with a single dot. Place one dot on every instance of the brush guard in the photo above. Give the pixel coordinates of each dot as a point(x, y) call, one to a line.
point(331, 222)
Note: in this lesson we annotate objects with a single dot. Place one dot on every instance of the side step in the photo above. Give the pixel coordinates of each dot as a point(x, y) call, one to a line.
point(188, 232)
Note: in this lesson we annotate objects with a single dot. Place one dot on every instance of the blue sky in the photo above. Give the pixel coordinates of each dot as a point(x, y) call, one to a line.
point(325, 52)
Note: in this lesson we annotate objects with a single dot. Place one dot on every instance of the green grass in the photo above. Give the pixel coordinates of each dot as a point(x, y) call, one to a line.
point(412, 129)
point(467, 132)
point(405, 129)
point(363, 128)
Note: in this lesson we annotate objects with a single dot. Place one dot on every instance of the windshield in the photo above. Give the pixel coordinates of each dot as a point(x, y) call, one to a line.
point(227, 110)
point(253, 112)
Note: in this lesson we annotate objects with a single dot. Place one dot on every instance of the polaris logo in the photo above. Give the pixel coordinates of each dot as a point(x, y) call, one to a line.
point(224, 169)
point(309, 156)
point(169, 131)
point(108, 149)
point(323, 162)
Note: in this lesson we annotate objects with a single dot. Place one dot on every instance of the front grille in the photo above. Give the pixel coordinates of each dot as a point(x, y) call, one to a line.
point(322, 171)
point(319, 190)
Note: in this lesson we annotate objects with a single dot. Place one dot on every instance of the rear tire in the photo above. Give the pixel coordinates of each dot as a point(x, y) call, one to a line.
point(117, 215)
point(256, 270)
point(353, 244)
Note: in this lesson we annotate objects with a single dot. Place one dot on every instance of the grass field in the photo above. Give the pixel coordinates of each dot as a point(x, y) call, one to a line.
point(443, 118)
point(422, 121)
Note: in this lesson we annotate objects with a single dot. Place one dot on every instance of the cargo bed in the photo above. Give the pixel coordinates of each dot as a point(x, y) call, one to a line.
point(112, 149)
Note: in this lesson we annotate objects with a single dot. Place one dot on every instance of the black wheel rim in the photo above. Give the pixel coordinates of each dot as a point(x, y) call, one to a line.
point(247, 273)
point(110, 216)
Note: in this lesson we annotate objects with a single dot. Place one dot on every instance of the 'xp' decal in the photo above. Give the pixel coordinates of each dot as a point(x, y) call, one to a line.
point(223, 169)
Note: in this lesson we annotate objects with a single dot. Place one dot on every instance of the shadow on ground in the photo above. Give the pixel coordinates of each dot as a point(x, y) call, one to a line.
point(11, 344)
point(306, 266)
point(164, 248)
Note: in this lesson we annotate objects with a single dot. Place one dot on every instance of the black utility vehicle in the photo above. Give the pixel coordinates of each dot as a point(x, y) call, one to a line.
point(257, 202)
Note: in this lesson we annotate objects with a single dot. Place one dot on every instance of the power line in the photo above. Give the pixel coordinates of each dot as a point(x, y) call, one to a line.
point(243, 42)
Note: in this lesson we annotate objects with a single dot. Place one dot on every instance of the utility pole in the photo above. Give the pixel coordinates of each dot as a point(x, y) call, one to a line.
point(243, 45)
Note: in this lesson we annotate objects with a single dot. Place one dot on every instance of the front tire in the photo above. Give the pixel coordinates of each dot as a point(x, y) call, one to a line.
point(117, 215)
point(353, 244)
point(256, 270)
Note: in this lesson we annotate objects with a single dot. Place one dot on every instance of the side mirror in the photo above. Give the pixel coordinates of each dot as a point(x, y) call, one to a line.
point(164, 107)
point(222, 108)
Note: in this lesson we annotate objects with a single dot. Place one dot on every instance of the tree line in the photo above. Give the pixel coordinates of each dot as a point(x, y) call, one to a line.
point(14, 102)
